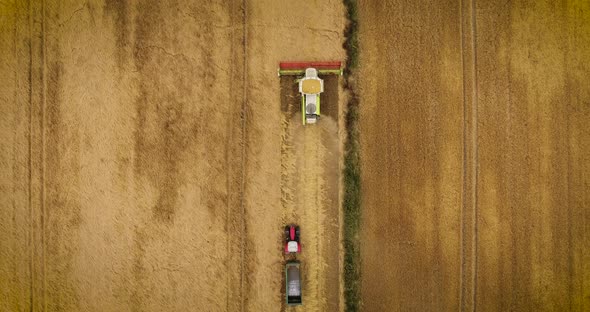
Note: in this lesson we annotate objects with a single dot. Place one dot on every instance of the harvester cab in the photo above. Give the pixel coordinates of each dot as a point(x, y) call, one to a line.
point(310, 84)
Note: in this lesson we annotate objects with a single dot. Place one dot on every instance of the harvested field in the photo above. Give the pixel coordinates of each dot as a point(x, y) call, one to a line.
point(142, 162)
point(310, 178)
point(151, 157)
point(129, 207)
point(474, 145)
point(273, 36)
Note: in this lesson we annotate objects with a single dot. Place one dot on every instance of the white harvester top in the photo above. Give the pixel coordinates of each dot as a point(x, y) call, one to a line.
point(310, 87)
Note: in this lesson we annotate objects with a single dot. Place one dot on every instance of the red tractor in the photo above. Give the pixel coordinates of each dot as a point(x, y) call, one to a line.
point(292, 244)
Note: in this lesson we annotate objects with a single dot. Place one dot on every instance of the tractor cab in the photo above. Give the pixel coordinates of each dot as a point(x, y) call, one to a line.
point(292, 244)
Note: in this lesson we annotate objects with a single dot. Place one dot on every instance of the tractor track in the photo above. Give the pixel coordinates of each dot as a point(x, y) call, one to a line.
point(309, 184)
point(238, 90)
point(244, 136)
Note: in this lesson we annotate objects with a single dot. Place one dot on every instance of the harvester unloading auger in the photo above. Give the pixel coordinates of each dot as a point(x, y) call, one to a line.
point(310, 84)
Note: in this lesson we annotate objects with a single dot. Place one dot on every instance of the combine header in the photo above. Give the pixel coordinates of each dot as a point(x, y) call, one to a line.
point(310, 85)
point(298, 68)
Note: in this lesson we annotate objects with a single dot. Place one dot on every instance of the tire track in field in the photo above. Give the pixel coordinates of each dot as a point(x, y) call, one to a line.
point(244, 136)
point(305, 185)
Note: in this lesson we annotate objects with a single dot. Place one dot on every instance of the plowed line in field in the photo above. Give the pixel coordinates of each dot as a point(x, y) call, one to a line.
point(31, 212)
point(464, 189)
point(312, 205)
point(468, 277)
point(319, 206)
point(474, 148)
point(287, 170)
point(43, 107)
point(236, 47)
point(243, 156)
point(303, 189)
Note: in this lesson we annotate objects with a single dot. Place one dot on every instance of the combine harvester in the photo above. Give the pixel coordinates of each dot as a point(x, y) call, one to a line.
point(310, 85)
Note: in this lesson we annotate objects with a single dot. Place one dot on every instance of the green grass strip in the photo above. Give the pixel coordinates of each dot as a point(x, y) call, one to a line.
point(352, 183)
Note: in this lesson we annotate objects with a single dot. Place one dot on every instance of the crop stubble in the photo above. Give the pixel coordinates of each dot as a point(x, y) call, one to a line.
point(143, 156)
point(309, 184)
point(138, 163)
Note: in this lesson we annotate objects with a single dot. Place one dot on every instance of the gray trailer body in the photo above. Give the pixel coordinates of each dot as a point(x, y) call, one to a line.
point(293, 283)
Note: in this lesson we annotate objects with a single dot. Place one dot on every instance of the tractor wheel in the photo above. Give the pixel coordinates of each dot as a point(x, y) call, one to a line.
point(297, 232)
